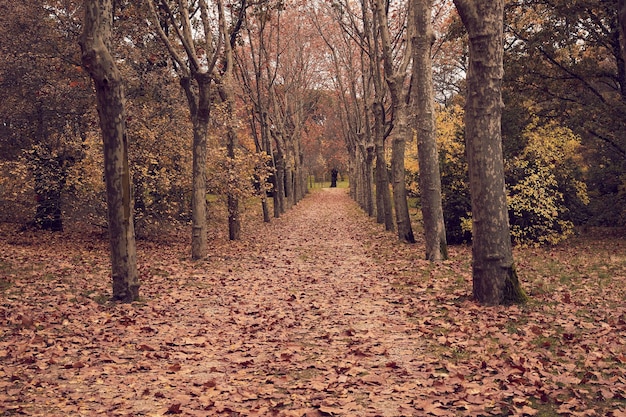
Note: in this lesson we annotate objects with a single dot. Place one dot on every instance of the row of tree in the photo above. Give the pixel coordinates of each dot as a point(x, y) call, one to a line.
point(539, 85)
point(271, 91)
point(389, 46)
point(250, 109)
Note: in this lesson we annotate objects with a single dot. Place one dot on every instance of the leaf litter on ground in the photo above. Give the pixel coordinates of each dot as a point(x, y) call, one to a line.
point(319, 313)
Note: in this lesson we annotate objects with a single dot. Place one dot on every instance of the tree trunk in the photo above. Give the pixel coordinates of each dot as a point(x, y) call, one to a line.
point(395, 78)
point(352, 171)
point(384, 208)
point(49, 179)
point(366, 200)
point(279, 183)
point(228, 96)
point(298, 191)
point(199, 108)
point(398, 145)
point(97, 60)
point(288, 183)
point(267, 147)
point(494, 278)
point(621, 19)
point(424, 99)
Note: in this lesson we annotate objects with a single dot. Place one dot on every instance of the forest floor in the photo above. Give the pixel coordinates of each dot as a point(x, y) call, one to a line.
point(319, 313)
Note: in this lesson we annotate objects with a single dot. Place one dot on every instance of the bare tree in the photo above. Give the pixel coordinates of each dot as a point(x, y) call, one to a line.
point(204, 43)
point(396, 76)
point(226, 88)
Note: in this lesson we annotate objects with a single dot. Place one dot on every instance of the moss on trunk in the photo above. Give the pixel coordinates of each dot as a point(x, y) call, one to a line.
point(513, 291)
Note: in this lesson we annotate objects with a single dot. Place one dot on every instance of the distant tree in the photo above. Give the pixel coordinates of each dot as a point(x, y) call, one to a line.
point(495, 279)
point(381, 119)
point(294, 95)
point(453, 162)
point(256, 75)
point(348, 43)
point(278, 64)
point(226, 89)
point(157, 126)
point(95, 44)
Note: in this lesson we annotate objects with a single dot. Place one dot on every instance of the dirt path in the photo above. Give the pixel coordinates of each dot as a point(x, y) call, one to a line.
point(302, 326)
point(306, 325)
point(336, 319)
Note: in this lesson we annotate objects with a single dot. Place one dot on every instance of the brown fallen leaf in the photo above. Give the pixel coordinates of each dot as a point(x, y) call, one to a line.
point(328, 410)
point(174, 409)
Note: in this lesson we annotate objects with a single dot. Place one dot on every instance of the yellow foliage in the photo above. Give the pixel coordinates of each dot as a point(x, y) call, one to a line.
point(546, 171)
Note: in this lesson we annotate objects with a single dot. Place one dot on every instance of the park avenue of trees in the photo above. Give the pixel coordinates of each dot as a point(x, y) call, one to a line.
point(170, 243)
point(502, 121)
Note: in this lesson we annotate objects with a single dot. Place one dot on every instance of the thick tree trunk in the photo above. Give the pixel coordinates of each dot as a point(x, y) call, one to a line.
point(494, 278)
point(424, 99)
point(97, 60)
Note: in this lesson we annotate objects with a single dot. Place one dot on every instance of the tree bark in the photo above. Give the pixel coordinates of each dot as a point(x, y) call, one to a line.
point(495, 280)
point(366, 150)
point(621, 18)
point(398, 145)
point(199, 108)
point(279, 177)
point(423, 100)
point(384, 208)
point(95, 44)
point(234, 218)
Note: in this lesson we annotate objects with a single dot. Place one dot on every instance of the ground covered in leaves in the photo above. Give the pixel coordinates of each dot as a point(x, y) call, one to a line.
point(320, 313)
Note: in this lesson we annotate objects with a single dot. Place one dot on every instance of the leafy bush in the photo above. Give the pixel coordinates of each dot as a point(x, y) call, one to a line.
point(544, 178)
